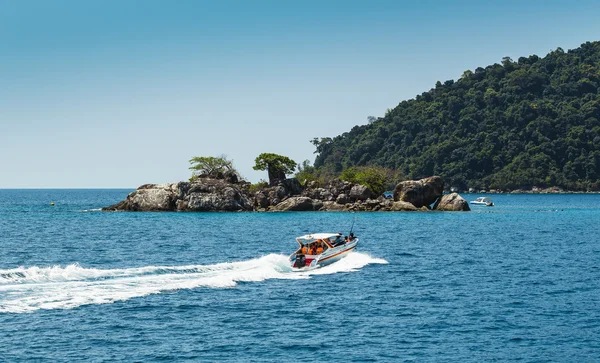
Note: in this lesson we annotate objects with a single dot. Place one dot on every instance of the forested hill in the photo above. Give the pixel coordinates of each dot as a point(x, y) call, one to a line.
point(518, 124)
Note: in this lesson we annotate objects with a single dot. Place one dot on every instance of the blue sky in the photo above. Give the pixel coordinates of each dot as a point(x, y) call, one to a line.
point(115, 94)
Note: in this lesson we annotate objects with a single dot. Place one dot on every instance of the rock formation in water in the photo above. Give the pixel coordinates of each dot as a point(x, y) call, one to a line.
point(202, 195)
point(420, 193)
point(227, 194)
point(451, 202)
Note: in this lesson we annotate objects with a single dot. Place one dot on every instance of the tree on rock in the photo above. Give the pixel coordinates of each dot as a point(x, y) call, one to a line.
point(276, 165)
point(210, 166)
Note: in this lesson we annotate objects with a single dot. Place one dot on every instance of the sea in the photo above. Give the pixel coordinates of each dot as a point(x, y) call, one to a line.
point(519, 281)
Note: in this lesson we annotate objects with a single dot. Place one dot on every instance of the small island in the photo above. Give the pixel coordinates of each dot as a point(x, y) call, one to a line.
point(216, 186)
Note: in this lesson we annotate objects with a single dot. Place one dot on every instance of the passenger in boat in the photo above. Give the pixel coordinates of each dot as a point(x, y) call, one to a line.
point(313, 249)
point(340, 241)
point(350, 237)
point(304, 250)
point(318, 244)
point(320, 248)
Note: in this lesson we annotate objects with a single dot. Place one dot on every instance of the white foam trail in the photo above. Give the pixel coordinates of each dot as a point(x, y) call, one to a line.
point(350, 263)
point(28, 289)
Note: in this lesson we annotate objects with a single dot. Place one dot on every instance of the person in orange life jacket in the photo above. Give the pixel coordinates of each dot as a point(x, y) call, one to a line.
point(314, 246)
point(304, 249)
point(320, 248)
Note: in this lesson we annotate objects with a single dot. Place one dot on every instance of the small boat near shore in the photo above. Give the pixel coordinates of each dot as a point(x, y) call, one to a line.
point(483, 201)
point(321, 249)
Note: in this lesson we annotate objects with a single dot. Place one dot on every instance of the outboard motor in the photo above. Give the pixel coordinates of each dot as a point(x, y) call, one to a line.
point(300, 261)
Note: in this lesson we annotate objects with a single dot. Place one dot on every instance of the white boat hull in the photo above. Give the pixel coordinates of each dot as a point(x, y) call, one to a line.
point(326, 258)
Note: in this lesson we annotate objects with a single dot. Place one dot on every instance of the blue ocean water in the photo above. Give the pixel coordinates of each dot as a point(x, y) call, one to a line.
point(519, 281)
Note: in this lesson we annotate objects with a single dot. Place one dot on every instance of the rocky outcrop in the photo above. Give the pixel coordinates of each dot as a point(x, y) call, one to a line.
point(216, 195)
point(402, 207)
point(420, 193)
point(451, 202)
point(340, 191)
point(370, 205)
point(274, 195)
point(151, 197)
point(333, 206)
point(228, 194)
point(202, 195)
point(360, 192)
point(298, 204)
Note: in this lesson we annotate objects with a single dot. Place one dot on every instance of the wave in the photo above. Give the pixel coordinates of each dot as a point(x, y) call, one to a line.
point(29, 289)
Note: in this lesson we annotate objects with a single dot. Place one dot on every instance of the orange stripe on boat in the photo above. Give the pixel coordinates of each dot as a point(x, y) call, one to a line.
point(339, 253)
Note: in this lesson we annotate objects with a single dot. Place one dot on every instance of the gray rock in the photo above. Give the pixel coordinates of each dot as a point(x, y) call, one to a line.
point(229, 201)
point(150, 197)
point(332, 206)
point(338, 186)
point(261, 200)
point(277, 193)
point(452, 202)
point(204, 194)
point(292, 186)
point(402, 207)
point(298, 204)
point(372, 205)
point(318, 193)
point(360, 192)
point(342, 199)
point(420, 193)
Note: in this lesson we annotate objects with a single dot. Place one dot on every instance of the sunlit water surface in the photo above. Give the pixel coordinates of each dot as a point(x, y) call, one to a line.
point(519, 281)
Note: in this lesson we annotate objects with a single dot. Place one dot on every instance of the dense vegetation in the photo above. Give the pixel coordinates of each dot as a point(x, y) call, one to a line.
point(221, 167)
point(377, 178)
point(533, 122)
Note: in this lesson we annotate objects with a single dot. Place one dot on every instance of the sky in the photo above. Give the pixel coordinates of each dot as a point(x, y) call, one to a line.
point(116, 94)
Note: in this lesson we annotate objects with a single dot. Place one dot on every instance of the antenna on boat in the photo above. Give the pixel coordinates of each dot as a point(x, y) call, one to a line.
point(351, 228)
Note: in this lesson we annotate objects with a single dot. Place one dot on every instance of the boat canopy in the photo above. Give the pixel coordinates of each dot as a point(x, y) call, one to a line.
point(309, 238)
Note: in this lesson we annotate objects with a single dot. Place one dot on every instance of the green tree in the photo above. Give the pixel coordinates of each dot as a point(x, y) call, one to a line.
point(509, 125)
point(210, 166)
point(306, 172)
point(276, 165)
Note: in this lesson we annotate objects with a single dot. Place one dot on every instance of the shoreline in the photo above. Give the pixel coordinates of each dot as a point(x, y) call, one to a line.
point(528, 192)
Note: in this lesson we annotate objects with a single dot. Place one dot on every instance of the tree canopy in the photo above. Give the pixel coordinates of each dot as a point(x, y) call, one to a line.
point(211, 166)
point(276, 165)
point(517, 124)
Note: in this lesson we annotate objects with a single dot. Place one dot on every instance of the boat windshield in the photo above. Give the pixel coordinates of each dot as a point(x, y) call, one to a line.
point(328, 237)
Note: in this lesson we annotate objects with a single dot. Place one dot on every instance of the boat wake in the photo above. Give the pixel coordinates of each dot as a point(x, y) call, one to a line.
point(25, 290)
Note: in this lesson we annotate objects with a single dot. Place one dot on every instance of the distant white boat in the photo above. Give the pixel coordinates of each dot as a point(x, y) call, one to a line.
point(483, 201)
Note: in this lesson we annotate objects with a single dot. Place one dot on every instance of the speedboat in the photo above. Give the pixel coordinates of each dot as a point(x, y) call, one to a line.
point(321, 249)
point(483, 201)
